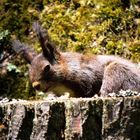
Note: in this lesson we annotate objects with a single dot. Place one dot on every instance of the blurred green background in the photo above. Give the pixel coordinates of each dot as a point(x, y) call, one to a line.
point(86, 26)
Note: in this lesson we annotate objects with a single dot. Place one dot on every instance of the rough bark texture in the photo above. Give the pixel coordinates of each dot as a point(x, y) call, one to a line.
point(71, 119)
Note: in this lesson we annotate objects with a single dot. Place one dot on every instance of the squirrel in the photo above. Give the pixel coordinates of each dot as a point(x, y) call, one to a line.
point(76, 73)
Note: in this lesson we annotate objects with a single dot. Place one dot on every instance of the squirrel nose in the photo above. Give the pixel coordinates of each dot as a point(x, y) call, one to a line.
point(36, 85)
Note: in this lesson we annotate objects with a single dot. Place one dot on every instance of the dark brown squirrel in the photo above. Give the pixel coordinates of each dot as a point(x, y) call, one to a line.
point(78, 74)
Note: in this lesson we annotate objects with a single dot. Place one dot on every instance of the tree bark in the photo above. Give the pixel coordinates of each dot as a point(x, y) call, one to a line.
point(115, 118)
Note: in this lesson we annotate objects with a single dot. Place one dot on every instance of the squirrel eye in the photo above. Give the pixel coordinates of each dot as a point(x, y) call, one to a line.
point(47, 68)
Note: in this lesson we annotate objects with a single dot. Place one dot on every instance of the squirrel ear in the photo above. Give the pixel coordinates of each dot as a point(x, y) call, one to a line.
point(47, 68)
point(49, 49)
point(24, 50)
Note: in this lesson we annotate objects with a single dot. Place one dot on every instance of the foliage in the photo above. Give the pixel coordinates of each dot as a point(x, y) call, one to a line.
point(100, 27)
point(3, 34)
point(11, 67)
point(17, 16)
point(4, 37)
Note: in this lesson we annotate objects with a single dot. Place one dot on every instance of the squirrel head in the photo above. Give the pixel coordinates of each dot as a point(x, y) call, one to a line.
point(41, 65)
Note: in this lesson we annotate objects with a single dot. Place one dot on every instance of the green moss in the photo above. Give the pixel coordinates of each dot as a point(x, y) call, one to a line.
point(76, 25)
point(135, 49)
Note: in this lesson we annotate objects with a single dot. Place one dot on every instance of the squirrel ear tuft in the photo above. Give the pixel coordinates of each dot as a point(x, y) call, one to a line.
point(24, 50)
point(49, 49)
